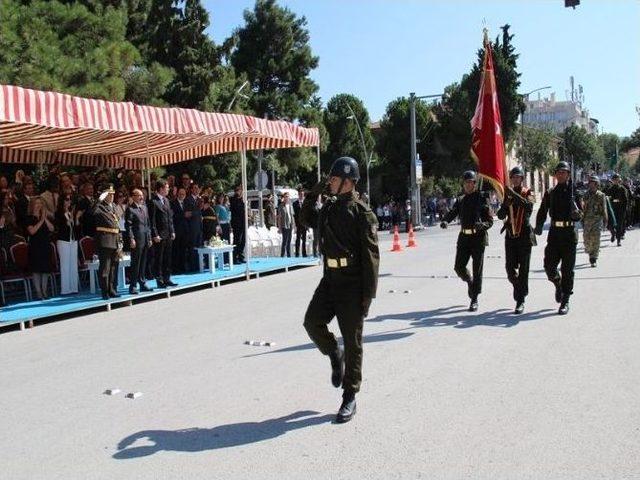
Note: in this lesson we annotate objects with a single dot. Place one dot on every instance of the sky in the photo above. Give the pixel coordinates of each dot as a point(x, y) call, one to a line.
point(379, 50)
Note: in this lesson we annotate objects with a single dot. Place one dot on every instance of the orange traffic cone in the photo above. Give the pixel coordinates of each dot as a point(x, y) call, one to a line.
point(412, 238)
point(396, 247)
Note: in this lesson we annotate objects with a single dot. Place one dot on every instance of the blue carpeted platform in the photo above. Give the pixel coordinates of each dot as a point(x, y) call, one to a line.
point(28, 311)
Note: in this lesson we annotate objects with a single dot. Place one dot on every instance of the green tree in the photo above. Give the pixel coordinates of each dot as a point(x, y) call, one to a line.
point(342, 129)
point(394, 147)
point(632, 141)
point(610, 143)
point(537, 149)
point(580, 147)
point(67, 48)
point(272, 49)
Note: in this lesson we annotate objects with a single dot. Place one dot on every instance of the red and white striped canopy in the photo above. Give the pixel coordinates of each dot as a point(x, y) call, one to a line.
point(50, 127)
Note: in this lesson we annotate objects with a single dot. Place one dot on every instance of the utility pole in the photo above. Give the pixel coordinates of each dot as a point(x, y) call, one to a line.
point(416, 209)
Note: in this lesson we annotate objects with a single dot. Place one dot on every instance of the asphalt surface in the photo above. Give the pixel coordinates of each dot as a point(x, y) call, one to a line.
point(446, 394)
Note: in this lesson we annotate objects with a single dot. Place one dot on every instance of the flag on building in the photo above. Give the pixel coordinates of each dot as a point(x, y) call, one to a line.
point(487, 144)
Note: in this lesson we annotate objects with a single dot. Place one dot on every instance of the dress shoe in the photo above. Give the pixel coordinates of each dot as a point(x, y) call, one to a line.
point(564, 306)
point(337, 367)
point(160, 284)
point(144, 288)
point(169, 283)
point(347, 409)
point(133, 291)
point(114, 294)
point(473, 306)
point(105, 296)
point(519, 308)
point(558, 285)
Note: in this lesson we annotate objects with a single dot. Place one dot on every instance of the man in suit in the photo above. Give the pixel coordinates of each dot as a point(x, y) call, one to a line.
point(139, 232)
point(193, 214)
point(301, 230)
point(162, 234)
point(238, 213)
point(180, 244)
point(85, 207)
point(107, 232)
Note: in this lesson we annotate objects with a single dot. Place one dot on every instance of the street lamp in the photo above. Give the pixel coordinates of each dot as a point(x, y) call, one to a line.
point(522, 110)
point(416, 210)
point(367, 158)
point(246, 82)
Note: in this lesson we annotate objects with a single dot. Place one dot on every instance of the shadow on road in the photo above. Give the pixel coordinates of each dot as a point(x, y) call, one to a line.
point(449, 317)
point(373, 338)
point(223, 436)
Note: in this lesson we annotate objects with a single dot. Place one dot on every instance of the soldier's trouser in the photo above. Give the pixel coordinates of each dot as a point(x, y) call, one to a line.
point(334, 299)
point(591, 236)
point(561, 247)
point(620, 214)
point(518, 257)
point(107, 268)
point(470, 246)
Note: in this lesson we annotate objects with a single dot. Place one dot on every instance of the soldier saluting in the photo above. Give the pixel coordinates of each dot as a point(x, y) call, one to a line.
point(559, 203)
point(475, 220)
point(516, 211)
point(347, 230)
point(107, 242)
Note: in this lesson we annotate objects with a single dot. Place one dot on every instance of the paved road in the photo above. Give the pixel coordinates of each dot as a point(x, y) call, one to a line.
point(446, 394)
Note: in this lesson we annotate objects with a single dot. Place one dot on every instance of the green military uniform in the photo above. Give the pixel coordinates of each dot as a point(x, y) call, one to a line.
point(594, 211)
point(107, 244)
point(347, 230)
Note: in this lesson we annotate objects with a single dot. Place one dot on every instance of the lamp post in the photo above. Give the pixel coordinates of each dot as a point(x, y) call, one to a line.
point(416, 210)
point(522, 110)
point(367, 158)
point(235, 95)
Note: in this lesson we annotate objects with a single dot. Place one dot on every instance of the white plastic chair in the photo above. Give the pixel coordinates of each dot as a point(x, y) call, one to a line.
point(267, 242)
point(276, 239)
point(254, 239)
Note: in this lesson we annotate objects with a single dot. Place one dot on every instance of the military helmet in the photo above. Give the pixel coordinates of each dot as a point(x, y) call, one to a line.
point(516, 171)
point(345, 167)
point(469, 175)
point(615, 175)
point(594, 178)
point(563, 166)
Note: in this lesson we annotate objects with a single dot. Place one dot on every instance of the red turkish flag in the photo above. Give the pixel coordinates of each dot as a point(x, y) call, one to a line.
point(487, 144)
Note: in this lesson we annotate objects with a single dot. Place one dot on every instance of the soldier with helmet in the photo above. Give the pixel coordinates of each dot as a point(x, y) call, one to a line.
point(559, 203)
point(619, 201)
point(594, 208)
point(475, 219)
point(347, 231)
point(516, 211)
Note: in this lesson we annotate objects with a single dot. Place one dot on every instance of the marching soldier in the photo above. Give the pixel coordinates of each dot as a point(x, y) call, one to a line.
point(475, 220)
point(619, 200)
point(594, 209)
point(347, 230)
point(107, 242)
point(516, 211)
point(559, 204)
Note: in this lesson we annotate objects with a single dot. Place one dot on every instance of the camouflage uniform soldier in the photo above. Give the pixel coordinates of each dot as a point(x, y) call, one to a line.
point(594, 208)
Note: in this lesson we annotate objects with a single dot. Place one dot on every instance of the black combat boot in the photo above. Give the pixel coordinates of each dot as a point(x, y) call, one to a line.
point(619, 244)
point(519, 307)
point(337, 367)
point(613, 237)
point(473, 306)
point(564, 306)
point(558, 284)
point(593, 261)
point(348, 407)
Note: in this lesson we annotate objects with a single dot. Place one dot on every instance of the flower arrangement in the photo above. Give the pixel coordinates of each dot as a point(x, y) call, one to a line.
point(216, 241)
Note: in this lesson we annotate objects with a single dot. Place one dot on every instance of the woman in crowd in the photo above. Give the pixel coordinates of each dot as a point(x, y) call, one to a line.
point(224, 216)
point(67, 228)
point(39, 230)
point(7, 221)
point(209, 220)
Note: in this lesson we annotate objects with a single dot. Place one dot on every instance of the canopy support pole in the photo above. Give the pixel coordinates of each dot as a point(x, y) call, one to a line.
point(318, 153)
point(247, 242)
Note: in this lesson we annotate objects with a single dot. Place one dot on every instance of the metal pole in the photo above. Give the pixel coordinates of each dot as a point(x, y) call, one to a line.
point(247, 243)
point(364, 145)
point(318, 153)
point(260, 187)
point(368, 180)
point(412, 117)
